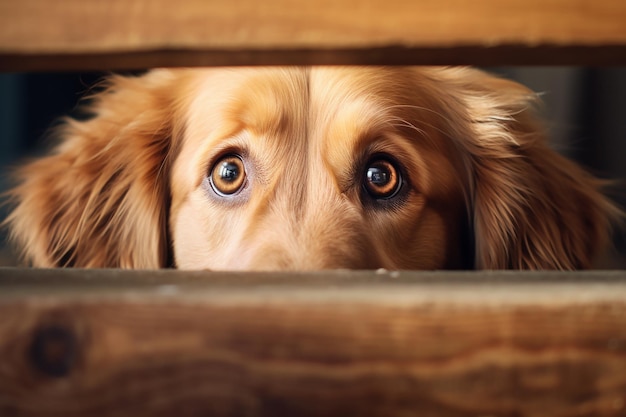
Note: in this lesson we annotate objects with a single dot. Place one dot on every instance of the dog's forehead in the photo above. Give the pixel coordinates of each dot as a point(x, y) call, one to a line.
point(331, 112)
point(262, 92)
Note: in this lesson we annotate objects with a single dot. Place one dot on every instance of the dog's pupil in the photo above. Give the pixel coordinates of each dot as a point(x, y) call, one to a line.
point(382, 179)
point(377, 176)
point(229, 172)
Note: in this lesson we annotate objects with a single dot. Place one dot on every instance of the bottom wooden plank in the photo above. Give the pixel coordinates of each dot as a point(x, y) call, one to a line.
point(114, 343)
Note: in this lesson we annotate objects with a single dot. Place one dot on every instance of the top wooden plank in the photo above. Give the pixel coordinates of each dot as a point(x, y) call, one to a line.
point(199, 32)
point(128, 25)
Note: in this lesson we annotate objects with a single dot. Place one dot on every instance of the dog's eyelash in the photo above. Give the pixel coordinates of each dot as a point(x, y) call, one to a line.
point(405, 123)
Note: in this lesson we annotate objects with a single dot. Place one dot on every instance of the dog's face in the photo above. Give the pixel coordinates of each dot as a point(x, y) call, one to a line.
point(309, 168)
point(314, 169)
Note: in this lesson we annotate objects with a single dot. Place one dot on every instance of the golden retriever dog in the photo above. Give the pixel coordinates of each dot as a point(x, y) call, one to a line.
point(309, 168)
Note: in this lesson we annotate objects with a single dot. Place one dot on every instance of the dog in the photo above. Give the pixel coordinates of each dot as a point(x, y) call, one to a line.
point(308, 168)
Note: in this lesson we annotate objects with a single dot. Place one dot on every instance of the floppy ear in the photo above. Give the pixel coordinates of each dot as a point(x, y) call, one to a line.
point(100, 198)
point(531, 208)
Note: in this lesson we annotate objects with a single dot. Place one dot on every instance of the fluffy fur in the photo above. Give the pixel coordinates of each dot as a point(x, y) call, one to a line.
point(128, 188)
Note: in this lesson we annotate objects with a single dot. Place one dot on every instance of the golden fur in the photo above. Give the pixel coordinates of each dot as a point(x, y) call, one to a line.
point(128, 188)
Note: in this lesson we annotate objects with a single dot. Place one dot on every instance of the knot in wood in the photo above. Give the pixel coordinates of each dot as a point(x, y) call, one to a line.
point(54, 350)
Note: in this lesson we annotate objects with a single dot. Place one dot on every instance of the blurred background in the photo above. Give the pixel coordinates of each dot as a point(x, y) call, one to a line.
point(585, 110)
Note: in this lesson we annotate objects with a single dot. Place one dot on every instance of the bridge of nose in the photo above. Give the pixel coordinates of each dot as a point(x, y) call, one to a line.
point(319, 228)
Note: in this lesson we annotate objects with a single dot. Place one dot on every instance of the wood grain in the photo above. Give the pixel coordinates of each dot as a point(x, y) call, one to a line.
point(114, 343)
point(201, 32)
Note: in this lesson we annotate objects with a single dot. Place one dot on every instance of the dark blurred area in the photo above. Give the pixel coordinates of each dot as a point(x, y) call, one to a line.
point(585, 110)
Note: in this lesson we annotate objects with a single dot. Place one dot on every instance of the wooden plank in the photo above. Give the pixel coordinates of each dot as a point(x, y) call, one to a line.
point(88, 33)
point(116, 343)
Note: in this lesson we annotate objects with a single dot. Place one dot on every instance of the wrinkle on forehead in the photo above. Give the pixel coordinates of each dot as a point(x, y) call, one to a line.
point(263, 99)
point(272, 103)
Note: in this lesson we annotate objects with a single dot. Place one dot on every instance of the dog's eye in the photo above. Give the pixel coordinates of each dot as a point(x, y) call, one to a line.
point(382, 179)
point(228, 175)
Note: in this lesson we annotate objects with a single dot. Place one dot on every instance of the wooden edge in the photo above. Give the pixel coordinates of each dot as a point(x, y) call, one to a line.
point(79, 279)
point(369, 349)
point(587, 55)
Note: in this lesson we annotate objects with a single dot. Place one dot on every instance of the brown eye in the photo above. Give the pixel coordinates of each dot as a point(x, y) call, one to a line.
point(382, 179)
point(228, 175)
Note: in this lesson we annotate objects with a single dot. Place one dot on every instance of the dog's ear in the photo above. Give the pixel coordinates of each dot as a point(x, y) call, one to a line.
point(531, 207)
point(100, 198)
